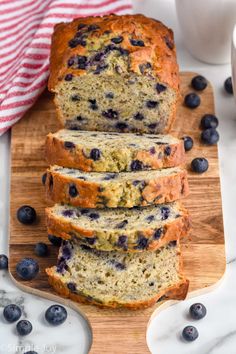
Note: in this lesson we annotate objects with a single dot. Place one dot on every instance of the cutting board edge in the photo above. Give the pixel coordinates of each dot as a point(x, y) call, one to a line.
point(76, 306)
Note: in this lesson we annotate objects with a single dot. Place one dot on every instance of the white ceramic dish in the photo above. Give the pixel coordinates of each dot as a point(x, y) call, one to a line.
point(207, 28)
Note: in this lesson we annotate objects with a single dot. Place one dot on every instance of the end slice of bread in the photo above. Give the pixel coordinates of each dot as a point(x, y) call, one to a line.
point(114, 279)
point(124, 230)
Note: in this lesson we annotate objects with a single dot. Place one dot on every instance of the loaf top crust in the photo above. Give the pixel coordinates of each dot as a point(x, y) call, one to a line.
point(147, 41)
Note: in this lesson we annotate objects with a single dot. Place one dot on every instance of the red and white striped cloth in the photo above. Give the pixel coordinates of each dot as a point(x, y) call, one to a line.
point(26, 27)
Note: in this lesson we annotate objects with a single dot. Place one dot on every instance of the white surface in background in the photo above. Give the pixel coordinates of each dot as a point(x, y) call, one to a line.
point(217, 331)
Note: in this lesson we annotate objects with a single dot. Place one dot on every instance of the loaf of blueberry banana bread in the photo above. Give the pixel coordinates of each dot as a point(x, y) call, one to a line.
point(131, 230)
point(115, 279)
point(114, 73)
point(112, 190)
point(113, 152)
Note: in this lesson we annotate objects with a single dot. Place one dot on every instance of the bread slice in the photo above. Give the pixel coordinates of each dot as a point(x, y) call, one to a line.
point(114, 73)
point(132, 230)
point(124, 189)
point(113, 152)
point(115, 279)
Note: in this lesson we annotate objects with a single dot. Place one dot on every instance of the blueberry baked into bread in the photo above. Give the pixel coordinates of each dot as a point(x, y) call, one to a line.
point(115, 279)
point(112, 190)
point(113, 152)
point(124, 230)
point(114, 73)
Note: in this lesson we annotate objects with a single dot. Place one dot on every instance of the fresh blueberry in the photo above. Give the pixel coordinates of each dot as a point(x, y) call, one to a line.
point(27, 268)
point(24, 327)
point(94, 216)
point(192, 100)
point(11, 313)
point(137, 42)
point(93, 104)
point(197, 311)
point(151, 104)
point(228, 85)
point(26, 214)
point(44, 177)
point(31, 352)
point(41, 249)
point(210, 136)
point(95, 154)
point(117, 40)
point(138, 116)
point(157, 234)
point(190, 333)
point(199, 83)
point(73, 191)
point(3, 261)
point(209, 121)
point(160, 88)
point(68, 77)
point(56, 241)
point(167, 151)
point(110, 114)
point(199, 165)
point(188, 143)
point(56, 315)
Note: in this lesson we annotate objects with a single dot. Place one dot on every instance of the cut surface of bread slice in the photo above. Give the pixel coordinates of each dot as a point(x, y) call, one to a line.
point(113, 152)
point(115, 279)
point(124, 189)
point(114, 73)
point(132, 230)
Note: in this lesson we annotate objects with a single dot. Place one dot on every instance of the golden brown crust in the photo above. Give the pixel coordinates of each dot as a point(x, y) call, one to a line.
point(172, 231)
point(176, 292)
point(159, 190)
point(57, 154)
point(159, 46)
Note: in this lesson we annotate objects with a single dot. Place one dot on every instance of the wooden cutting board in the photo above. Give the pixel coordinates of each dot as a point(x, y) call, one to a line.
point(117, 331)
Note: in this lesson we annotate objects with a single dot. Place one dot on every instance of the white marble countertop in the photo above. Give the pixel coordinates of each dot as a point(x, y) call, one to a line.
point(217, 331)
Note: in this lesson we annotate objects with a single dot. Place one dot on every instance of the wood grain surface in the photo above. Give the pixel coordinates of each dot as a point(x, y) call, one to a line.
point(117, 331)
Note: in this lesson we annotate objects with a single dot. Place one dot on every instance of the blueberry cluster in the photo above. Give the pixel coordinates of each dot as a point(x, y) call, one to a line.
point(197, 311)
